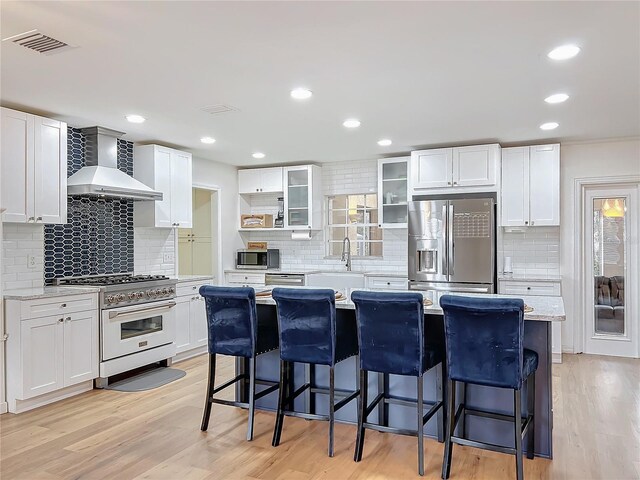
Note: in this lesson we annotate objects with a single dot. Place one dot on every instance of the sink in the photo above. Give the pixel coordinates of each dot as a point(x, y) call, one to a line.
point(336, 280)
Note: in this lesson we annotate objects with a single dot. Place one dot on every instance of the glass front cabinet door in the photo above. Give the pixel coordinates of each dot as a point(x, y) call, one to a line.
point(302, 197)
point(392, 192)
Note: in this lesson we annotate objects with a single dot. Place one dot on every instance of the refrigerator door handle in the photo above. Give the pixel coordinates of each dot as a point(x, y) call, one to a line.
point(445, 257)
point(450, 246)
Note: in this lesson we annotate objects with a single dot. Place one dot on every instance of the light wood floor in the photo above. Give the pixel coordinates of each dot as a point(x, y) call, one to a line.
point(155, 435)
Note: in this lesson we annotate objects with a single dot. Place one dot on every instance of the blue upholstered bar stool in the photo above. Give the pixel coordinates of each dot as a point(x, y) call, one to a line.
point(393, 341)
point(484, 344)
point(236, 330)
point(309, 333)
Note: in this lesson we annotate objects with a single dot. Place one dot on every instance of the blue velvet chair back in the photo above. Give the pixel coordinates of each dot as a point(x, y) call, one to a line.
point(232, 319)
point(483, 339)
point(390, 332)
point(307, 325)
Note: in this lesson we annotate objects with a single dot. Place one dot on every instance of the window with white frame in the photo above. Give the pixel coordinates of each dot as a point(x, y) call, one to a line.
point(354, 217)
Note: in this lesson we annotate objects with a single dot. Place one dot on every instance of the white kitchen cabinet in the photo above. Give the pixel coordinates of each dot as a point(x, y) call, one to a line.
point(52, 356)
point(551, 288)
point(386, 283)
point(260, 180)
point(191, 319)
point(454, 169)
point(303, 198)
point(531, 186)
point(242, 278)
point(33, 154)
point(168, 171)
point(392, 192)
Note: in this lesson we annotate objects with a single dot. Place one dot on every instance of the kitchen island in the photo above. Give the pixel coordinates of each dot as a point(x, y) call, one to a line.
point(537, 338)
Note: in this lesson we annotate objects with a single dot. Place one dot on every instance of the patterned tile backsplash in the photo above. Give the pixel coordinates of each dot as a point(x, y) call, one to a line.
point(99, 235)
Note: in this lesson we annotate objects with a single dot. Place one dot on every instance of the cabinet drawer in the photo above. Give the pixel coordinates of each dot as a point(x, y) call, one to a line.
point(58, 305)
point(551, 289)
point(387, 283)
point(245, 278)
point(191, 288)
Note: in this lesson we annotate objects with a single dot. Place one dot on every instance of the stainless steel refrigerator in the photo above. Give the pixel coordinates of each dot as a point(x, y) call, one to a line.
point(452, 244)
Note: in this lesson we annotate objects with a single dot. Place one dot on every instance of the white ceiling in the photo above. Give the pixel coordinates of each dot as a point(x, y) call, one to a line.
point(420, 73)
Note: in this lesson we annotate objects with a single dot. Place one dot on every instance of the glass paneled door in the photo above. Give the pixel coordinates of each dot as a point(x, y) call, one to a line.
point(611, 227)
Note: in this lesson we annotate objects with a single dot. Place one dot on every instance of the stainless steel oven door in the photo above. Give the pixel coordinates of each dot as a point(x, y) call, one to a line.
point(136, 328)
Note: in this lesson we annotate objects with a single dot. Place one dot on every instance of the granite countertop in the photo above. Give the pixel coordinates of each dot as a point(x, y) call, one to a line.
point(191, 278)
point(546, 309)
point(523, 277)
point(310, 272)
point(382, 274)
point(46, 292)
point(272, 270)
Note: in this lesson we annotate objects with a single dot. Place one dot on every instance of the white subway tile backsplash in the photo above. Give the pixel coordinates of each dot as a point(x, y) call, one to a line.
point(149, 248)
point(533, 252)
point(18, 242)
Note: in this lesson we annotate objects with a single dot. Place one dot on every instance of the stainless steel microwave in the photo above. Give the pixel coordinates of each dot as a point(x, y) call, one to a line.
point(258, 259)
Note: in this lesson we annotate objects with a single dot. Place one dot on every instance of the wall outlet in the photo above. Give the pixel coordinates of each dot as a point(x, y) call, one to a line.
point(168, 257)
point(31, 261)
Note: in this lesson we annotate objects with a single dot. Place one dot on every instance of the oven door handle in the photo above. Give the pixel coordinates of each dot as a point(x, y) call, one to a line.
point(137, 311)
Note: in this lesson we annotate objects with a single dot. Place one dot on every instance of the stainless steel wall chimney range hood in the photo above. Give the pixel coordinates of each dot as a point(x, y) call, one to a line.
point(100, 176)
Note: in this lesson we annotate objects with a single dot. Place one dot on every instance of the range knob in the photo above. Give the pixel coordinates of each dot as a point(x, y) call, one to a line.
point(120, 297)
point(165, 291)
point(110, 299)
point(150, 293)
point(172, 289)
point(157, 292)
point(132, 296)
point(139, 295)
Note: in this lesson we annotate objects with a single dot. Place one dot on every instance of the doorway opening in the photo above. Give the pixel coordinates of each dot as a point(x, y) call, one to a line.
point(198, 245)
point(610, 246)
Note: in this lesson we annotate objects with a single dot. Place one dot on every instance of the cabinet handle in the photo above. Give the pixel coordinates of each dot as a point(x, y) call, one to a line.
point(68, 319)
point(31, 219)
point(448, 183)
point(526, 223)
point(61, 320)
point(388, 283)
point(63, 305)
point(257, 189)
point(455, 183)
point(195, 288)
point(531, 222)
point(528, 288)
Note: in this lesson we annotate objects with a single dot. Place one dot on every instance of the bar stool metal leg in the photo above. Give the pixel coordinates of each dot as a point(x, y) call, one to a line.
point(252, 396)
point(282, 398)
point(363, 403)
point(517, 414)
point(531, 405)
point(332, 404)
point(451, 414)
point(420, 425)
point(464, 407)
point(210, 388)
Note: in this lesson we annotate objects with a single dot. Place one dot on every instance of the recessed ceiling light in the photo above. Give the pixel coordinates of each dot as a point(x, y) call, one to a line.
point(385, 142)
point(557, 98)
point(549, 126)
point(135, 118)
point(351, 123)
point(208, 140)
point(301, 93)
point(258, 155)
point(563, 52)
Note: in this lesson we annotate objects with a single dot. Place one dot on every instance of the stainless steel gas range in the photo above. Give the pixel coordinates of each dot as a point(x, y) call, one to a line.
point(137, 320)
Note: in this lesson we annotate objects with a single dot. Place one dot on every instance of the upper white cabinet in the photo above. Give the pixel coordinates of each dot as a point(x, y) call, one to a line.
point(303, 197)
point(531, 186)
point(168, 171)
point(260, 180)
point(392, 192)
point(449, 169)
point(33, 154)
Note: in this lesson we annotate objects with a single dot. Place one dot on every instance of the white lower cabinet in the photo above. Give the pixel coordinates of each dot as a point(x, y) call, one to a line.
point(50, 354)
point(191, 320)
point(244, 279)
point(386, 283)
point(546, 289)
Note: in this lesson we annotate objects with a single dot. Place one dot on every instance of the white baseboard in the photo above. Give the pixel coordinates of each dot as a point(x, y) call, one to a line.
point(4, 407)
point(19, 406)
point(190, 354)
point(556, 358)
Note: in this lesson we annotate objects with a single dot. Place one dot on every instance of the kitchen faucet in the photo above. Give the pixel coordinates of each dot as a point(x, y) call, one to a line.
point(346, 253)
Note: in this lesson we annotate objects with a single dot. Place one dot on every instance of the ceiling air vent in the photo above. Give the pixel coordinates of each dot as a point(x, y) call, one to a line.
point(39, 42)
point(219, 108)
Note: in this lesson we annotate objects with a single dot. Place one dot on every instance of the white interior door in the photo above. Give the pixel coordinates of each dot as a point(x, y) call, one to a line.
point(611, 271)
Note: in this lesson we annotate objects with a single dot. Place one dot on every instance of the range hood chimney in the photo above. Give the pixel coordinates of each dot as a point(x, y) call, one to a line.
point(100, 176)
